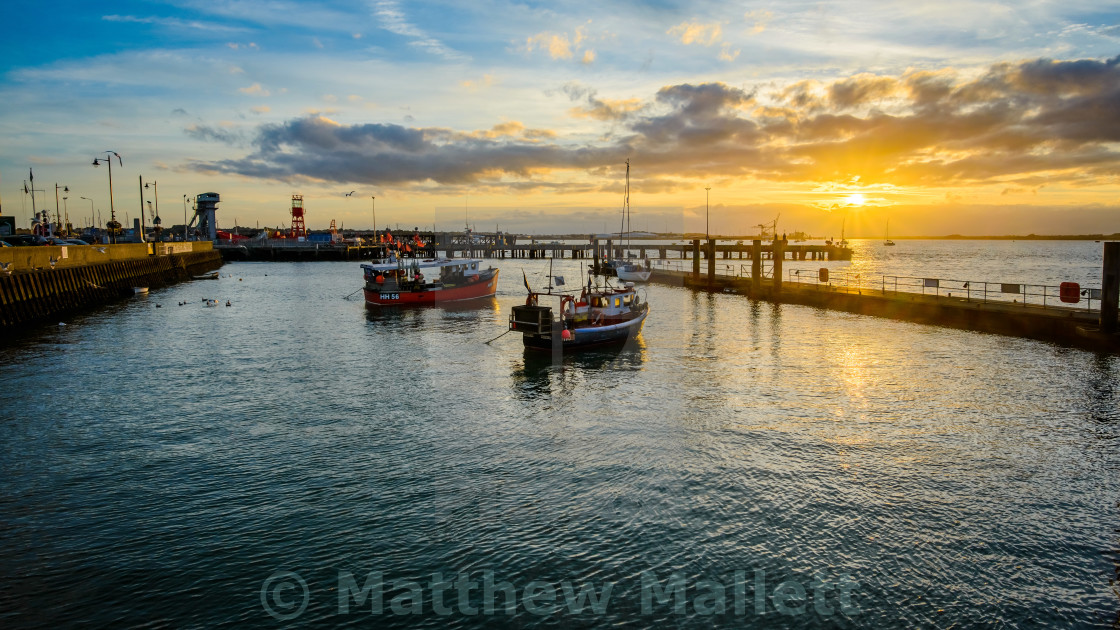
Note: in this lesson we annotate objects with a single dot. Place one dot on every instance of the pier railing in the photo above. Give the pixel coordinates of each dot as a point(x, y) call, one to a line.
point(1025, 295)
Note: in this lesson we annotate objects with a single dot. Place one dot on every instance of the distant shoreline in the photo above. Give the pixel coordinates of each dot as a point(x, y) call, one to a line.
point(949, 237)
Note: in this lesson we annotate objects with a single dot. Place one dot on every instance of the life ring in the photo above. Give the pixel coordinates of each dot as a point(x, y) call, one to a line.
point(568, 307)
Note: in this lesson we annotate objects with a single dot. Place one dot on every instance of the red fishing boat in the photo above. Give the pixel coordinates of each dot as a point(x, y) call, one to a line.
point(417, 282)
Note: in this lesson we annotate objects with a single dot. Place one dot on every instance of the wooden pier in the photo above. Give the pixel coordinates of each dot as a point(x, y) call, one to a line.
point(498, 245)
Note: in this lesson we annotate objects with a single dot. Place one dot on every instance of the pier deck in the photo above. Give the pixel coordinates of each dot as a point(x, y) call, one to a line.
point(1074, 326)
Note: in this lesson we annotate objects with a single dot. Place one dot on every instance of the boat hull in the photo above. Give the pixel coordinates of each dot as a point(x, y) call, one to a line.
point(627, 275)
point(430, 295)
point(591, 337)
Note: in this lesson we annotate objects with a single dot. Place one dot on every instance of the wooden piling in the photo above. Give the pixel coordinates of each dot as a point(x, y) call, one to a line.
point(696, 259)
point(711, 261)
point(1110, 287)
point(779, 255)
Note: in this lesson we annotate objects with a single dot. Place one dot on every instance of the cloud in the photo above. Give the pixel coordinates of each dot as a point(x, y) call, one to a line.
point(176, 23)
point(600, 109)
point(758, 21)
point(1013, 126)
point(473, 85)
point(696, 33)
point(394, 20)
point(261, 109)
point(207, 133)
point(254, 90)
point(557, 45)
point(561, 45)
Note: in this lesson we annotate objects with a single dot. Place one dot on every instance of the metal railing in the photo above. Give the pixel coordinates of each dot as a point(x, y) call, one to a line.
point(984, 292)
point(1025, 295)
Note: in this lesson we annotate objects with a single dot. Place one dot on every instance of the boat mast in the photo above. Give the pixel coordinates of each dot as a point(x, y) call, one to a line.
point(625, 226)
point(627, 208)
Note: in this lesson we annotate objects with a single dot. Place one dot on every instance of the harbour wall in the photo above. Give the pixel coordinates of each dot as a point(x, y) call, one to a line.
point(1066, 326)
point(44, 283)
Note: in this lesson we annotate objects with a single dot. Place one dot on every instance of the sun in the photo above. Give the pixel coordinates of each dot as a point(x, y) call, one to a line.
point(855, 199)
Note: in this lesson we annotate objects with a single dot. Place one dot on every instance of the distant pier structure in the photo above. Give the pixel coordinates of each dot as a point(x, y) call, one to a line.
point(358, 244)
point(498, 245)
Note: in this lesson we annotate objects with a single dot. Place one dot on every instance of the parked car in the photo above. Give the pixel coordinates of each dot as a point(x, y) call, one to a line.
point(24, 239)
point(4, 244)
point(75, 241)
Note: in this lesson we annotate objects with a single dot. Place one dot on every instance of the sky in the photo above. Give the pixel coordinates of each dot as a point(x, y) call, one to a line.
point(955, 117)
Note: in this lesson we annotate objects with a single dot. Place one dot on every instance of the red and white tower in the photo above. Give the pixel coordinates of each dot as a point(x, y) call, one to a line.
point(298, 228)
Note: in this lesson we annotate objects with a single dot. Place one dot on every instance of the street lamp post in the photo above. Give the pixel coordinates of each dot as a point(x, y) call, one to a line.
point(143, 223)
point(114, 226)
point(707, 191)
point(57, 214)
point(186, 198)
point(155, 192)
point(91, 212)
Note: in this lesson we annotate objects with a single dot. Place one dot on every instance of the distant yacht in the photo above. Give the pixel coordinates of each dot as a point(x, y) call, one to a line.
point(887, 235)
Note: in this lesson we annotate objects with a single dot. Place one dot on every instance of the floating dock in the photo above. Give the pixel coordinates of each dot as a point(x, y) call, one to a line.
point(42, 284)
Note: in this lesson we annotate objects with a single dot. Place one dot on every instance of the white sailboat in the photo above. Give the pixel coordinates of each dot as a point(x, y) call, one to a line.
point(887, 235)
point(625, 270)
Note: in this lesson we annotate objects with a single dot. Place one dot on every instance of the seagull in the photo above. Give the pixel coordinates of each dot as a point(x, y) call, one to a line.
point(100, 250)
point(351, 193)
point(54, 261)
point(6, 267)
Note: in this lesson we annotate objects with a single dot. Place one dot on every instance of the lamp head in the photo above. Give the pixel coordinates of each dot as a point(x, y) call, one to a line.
point(96, 163)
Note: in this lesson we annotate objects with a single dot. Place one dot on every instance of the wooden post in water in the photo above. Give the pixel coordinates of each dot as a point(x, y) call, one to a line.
point(1110, 287)
point(779, 254)
point(756, 266)
point(711, 261)
point(595, 253)
point(696, 259)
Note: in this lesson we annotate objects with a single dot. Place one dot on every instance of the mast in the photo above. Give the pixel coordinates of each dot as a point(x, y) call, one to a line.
point(627, 206)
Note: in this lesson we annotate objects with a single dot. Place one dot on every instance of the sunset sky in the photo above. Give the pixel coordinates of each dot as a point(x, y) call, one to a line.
point(948, 117)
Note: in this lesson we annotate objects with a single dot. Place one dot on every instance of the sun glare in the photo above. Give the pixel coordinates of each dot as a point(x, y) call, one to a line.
point(855, 199)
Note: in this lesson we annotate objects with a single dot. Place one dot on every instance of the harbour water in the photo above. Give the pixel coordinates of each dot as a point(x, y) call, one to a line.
point(743, 463)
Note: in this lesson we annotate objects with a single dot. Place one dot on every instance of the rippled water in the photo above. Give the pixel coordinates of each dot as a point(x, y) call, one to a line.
point(163, 466)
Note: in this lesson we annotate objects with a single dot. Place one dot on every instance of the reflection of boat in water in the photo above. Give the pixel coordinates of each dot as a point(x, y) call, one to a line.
point(403, 282)
point(632, 272)
point(541, 373)
point(598, 316)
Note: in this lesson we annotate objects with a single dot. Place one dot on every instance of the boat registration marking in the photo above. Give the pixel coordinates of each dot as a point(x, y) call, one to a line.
point(390, 296)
